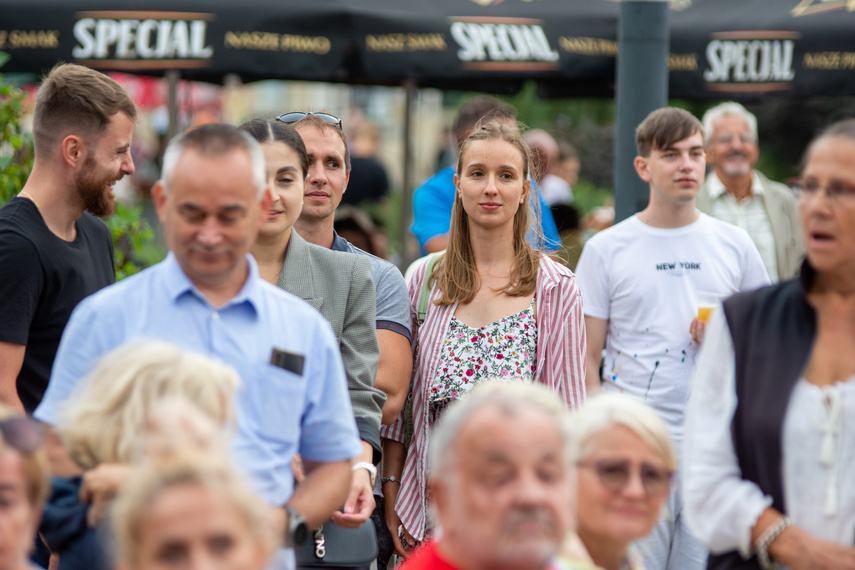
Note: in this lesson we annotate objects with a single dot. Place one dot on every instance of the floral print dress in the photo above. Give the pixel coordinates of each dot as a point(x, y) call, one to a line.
point(506, 348)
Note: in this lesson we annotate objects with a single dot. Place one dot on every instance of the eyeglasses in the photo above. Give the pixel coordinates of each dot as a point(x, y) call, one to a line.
point(295, 116)
point(22, 434)
point(615, 473)
point(727, 139)
point(836, 190)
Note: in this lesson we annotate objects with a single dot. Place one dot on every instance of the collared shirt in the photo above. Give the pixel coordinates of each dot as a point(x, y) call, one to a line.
point(279, 412)
point(561, 348)
point(750, 215)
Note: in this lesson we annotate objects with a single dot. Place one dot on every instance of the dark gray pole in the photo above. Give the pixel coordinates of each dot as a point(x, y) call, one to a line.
point(642, 86)
point(407, 256)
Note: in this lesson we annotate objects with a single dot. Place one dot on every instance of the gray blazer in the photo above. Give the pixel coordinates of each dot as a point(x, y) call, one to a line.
point(340, 286)
point(782, 209)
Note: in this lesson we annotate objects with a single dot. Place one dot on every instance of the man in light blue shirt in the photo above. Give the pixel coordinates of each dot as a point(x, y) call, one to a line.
point(207, 296)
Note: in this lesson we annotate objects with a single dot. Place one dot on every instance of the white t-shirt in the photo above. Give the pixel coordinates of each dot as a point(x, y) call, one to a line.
point(646, 282)
point(555, 190)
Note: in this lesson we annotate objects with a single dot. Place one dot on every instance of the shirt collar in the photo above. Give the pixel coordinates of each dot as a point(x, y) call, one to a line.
point(339, 243)
point(717, 188)
point(178, 284)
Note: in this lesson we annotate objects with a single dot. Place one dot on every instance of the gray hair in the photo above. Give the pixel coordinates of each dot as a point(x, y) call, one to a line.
point(729, 108)
point(509, 398)
point(606, 410)
point(214, 140)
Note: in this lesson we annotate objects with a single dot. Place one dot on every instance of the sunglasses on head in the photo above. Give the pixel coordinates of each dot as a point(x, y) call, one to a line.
point(615, 474)
point(22, 434)
point(295, 116)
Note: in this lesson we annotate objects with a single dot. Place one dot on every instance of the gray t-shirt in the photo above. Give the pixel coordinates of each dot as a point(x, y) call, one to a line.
point(393, 302)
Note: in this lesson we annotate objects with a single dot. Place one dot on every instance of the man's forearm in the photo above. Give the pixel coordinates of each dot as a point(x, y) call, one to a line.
point(11, 362)
point(9, 397)
point(592, 376)
point(323, 491)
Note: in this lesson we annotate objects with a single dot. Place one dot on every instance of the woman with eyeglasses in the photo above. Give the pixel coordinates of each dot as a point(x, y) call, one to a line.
point(494, 307)
point(625, 466)
point(24, 487)
point(769, 454)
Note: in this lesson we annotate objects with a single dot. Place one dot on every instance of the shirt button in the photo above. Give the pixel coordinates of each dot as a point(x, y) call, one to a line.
point(216, 316)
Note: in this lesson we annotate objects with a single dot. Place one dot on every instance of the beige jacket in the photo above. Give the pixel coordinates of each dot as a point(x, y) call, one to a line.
point(782, 209)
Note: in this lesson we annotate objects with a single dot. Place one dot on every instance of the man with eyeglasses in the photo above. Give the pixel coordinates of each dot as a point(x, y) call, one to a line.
point(326, 182)
point(738, 194)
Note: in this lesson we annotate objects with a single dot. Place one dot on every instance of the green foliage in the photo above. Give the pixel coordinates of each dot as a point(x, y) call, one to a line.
point(133, 238)
point(16, 146)
point(133, 241)
point(587, 196)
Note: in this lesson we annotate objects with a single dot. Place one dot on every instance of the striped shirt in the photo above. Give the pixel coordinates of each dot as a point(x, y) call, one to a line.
point(561, 346)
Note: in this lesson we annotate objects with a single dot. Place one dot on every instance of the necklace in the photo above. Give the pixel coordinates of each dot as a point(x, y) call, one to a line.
point(33, 200)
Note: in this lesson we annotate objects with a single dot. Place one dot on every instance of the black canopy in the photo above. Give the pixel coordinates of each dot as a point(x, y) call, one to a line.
point(719, 48)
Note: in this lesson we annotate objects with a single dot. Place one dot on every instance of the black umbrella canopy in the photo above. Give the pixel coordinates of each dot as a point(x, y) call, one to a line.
point(758, 48)
point(256, 39)
point(488, 45)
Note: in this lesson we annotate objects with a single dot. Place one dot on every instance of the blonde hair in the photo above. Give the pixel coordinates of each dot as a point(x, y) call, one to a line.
point(105, 417)
point(209, 471)
point(456, 276)
point(606, 410)
point(36, 466)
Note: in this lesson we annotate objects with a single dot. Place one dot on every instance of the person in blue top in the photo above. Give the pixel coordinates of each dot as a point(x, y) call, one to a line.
point(207, 296)
point(433, 200)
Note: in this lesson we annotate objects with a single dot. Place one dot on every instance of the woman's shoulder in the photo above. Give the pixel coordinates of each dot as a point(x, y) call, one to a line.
point(551, 273)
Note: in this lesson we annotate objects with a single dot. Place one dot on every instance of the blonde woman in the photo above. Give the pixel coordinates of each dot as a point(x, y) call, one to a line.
point(498, 308)
point(24, 473)
point(190, 510)
point(625, 465)
point(101, 428)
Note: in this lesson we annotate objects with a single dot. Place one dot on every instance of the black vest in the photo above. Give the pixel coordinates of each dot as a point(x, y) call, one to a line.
point(773, 331)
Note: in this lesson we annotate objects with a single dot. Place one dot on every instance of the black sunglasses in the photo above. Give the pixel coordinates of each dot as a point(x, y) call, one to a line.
point(615, 473)
point(295, 116)
point(22, 434)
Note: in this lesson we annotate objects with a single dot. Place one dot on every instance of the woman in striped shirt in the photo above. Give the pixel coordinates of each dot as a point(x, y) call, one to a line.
point(498, 309)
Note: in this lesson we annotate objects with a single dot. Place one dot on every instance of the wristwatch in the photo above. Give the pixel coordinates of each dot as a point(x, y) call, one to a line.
point(372, 471)
point(298, 530)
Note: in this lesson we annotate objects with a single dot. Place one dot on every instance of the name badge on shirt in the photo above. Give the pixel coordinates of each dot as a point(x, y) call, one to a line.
point(286, 360)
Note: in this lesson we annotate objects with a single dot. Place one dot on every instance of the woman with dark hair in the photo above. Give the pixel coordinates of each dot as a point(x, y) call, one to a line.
point(770, 448)
point(497, 309)
point(338, 284)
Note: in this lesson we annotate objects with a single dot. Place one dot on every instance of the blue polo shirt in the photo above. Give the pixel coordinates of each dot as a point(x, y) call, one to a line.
point(432, 202)
point(279, 412)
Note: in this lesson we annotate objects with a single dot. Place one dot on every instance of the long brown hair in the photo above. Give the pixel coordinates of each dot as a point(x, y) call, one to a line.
point(457, 276)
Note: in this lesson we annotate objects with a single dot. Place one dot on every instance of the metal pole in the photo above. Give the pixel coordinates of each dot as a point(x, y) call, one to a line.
point(172, 78)
point(642, 86)
point(407, 191)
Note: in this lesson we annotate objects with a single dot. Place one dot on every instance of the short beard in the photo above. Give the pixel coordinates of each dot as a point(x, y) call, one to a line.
point(93, 193)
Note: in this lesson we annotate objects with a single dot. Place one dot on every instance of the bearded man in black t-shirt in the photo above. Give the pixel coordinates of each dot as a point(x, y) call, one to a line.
point(53, 249)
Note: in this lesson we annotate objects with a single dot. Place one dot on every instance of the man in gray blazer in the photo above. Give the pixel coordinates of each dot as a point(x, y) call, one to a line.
point(738, 194)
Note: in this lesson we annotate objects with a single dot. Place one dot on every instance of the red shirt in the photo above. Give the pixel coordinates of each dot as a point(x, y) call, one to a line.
point(427, 557)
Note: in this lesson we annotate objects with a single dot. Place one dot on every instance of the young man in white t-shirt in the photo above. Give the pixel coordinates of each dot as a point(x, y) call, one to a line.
point(642, 281)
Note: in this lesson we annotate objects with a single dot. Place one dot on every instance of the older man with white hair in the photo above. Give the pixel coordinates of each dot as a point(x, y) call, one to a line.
point(500, 481)
point(738, 194)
